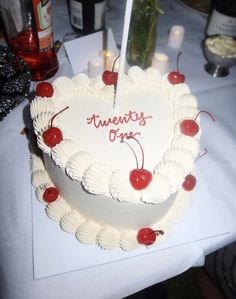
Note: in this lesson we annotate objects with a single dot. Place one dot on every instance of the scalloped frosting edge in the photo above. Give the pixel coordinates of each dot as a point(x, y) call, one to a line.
point(63, 153)
point(87, 231)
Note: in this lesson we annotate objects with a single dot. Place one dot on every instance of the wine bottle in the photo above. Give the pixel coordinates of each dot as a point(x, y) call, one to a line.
point(223, 18)
point(87, 16)
point(28, 27)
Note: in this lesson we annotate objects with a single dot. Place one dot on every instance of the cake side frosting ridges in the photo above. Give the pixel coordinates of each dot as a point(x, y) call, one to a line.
point(89, 232)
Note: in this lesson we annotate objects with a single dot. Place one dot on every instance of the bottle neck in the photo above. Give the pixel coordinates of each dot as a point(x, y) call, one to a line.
point(226, 7)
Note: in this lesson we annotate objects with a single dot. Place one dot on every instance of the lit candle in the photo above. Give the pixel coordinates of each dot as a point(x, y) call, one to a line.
point(160, 61)
point(176, 36)
point(128, 11)
point(108, 56)
point(95, 66)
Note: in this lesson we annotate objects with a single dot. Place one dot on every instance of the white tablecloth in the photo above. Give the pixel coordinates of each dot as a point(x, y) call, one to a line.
point(119, 279)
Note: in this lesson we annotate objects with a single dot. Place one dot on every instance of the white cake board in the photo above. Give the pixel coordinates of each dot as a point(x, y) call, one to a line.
point(56, 252)
point(81, 50)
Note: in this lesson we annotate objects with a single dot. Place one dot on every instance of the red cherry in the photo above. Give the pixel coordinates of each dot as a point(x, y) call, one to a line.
point(50, 194)
point(44, 89)
point(176, 78)
point(147, 236)
point(140, 178)
point(189, 127)
point(52, 136)
point(110, 77)
point(189, 182)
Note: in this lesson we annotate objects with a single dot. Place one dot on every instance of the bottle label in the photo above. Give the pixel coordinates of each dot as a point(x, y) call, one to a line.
point(99, 12)
point(76, 14)
point(221, 24)
point(43, 18)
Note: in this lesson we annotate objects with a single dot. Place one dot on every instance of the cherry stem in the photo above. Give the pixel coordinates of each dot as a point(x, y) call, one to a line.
point(58, 114)
point(136, 159)
point(49, 71)
point(212, 117)
point(159, 232)
point(180, 53)
point(141, 150)
point(114, 63)
point(202, 155)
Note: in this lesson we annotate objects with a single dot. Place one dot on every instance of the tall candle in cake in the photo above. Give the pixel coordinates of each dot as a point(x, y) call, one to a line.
point(128, 11)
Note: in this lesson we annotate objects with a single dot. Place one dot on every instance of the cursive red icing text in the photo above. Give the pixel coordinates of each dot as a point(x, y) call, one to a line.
point(132, 116)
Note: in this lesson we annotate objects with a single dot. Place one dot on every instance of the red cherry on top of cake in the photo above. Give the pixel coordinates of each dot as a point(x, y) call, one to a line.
point(110, 77)
point(190, 127)
point(44, 89)
point(53, 135)
point(139, 178)
point(50, 194)
point(176, 77)
point(147, 236)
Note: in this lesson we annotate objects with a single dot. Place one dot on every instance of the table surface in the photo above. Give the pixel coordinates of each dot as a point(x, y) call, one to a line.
point(127, 276)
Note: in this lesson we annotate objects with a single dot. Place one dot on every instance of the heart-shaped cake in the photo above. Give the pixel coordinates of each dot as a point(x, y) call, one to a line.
point(121, 162)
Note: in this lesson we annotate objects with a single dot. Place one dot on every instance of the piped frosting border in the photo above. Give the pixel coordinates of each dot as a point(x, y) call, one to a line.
point(98, 177)
point(87, 231)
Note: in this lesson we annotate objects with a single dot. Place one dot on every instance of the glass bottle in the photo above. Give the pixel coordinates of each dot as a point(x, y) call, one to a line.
point(28, 26)
point(223, 18)
point(87, 16)
point(143, 32)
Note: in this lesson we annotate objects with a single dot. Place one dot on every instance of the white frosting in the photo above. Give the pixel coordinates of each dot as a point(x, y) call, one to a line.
point(158, 190)
point(42, 121)
point(70, 221)
point(91, 167)
point(107, 237)
point(87, 232)
point(173, 171)
point(39, 105)
point(187, 112)
point(128, 240)
point(96, 178)
point(63, 86)
point(119, 188)
point(185, 157)
point(42, 145)
point(78, 164)
point(63, 151)
point(186, 142)
point(39, 177)
point(57, 209)
point(36, 163)
point(80, 82)
point(186, 100)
